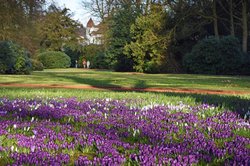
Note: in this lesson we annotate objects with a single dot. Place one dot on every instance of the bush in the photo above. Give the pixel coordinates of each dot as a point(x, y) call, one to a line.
point(231, 56)
point(54, 59)
point(99, 61)
point(74, 55)
point(36, 65)
point(152, 67)
point(123, 64)
point(95, 54)
point(245, 67)
point(13, 59)
point(214, 56)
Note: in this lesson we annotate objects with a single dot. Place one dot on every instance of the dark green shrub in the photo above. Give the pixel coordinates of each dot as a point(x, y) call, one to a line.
point(245, 67)
point(36, 65)
point(21, 64)
point(13, 59)
point(74, 55)
point(231, 56)
point(95, 54)
point(54, 59)
point(123, 64)
point(151, 67)
point(3, 67)
point(214, 56)
point(99, 61)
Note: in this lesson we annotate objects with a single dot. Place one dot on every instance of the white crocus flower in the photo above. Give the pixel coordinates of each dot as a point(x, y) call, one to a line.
point(134, 133)
point(37, 106)
point(244, 124)
point(51, 106)
point(209, 128)
point(12, 148)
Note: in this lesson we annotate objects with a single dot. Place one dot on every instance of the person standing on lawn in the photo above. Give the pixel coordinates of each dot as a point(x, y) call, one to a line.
point(84, 63)
point(88, 64)
point(76, 64)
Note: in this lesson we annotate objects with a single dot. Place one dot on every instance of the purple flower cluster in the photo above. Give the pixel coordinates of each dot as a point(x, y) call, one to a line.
point(110, 132)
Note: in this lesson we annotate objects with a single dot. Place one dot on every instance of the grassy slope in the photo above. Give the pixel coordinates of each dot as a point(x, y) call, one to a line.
point(135, 80)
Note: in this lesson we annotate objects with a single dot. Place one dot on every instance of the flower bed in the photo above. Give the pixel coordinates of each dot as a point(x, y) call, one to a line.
point(111, 132)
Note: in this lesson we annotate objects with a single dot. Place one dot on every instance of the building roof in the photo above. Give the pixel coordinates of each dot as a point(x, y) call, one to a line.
point(90, 23)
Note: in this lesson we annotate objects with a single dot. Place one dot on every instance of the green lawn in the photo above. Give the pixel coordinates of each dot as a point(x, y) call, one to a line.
point(39, 117)
point(239, 103)
point(235, 103)
point(132, 80)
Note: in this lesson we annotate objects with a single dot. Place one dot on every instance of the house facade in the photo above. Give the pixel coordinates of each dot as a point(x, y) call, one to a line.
point(93, 36)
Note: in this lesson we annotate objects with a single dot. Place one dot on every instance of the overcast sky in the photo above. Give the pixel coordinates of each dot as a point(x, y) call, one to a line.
point(76, 7)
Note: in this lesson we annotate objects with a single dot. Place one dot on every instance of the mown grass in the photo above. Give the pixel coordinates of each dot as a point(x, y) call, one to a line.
point(237, 103)
point(133, 80)
point(240, 104)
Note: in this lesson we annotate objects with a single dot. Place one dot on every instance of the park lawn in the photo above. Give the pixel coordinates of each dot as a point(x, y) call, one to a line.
point(97, 78)
point(73, 117)
point(239, 103)
point(87, 127)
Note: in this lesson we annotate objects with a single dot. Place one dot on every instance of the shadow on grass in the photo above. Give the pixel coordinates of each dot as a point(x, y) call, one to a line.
point(233, 103)
point(99, 83)
point(140, 84)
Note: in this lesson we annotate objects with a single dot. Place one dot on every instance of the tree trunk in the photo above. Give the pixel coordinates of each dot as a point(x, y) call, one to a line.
point(216, 31)
point(147, 7)
point(231, 18)
point(244, 26)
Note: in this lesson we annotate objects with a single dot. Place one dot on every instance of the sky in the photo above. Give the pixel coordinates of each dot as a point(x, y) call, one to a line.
point(76, 8)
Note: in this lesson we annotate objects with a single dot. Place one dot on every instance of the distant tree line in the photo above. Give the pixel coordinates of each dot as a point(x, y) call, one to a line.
point(29, 28)
point(159, 35)
point(153, 36)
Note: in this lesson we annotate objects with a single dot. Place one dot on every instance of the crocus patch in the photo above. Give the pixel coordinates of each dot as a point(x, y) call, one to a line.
point(112, 132)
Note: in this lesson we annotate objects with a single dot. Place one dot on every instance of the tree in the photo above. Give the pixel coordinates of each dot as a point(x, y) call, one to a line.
point(148, 39)
point(237, 11)
point(119, 36)
point(134, 38)
point(57, 29)
point(189, 21)
point(215, 19)
point(244, 25)
point(231, 18)
point(100, 8)
point(18, 21)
